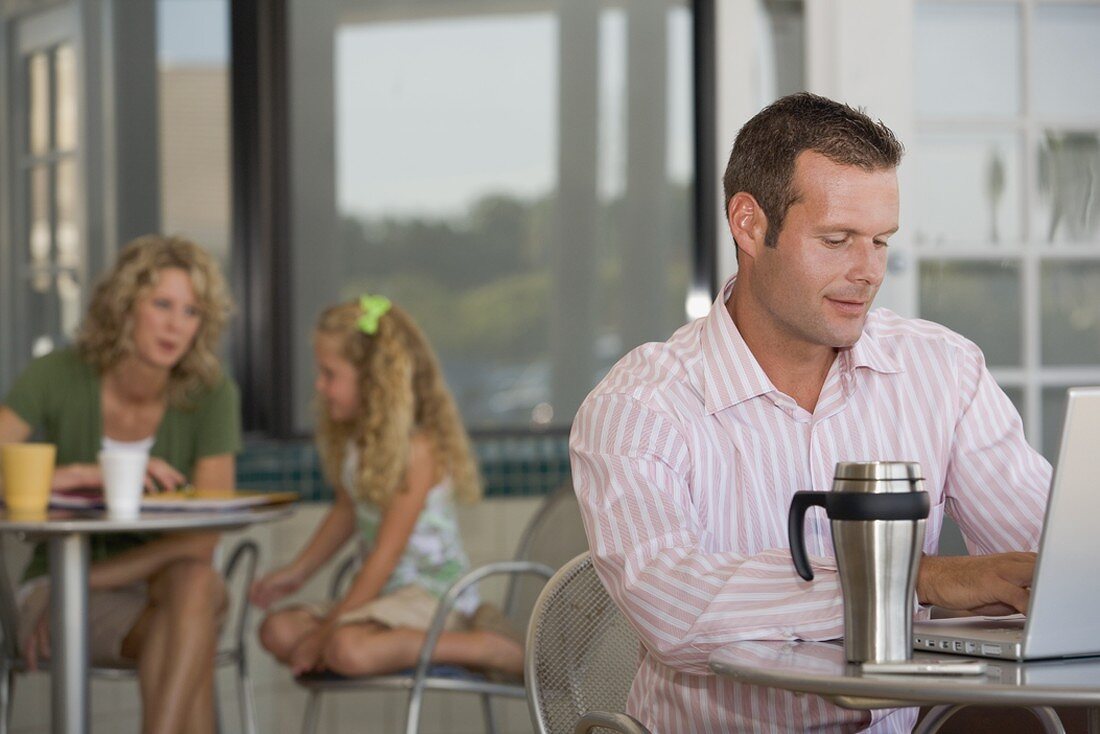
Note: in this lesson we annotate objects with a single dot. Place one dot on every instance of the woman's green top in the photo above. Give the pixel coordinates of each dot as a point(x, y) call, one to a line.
point(58, 395)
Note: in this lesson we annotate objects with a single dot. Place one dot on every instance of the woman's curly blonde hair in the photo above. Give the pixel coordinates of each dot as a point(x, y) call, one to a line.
point(106, 335)
point(401, 392)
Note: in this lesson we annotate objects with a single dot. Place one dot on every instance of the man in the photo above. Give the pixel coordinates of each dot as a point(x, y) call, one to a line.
point(686, 456)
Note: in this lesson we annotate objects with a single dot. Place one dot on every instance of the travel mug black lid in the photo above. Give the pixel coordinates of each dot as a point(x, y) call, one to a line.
point(879, 470)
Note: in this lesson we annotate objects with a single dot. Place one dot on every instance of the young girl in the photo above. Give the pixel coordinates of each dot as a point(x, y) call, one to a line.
point(392, 444)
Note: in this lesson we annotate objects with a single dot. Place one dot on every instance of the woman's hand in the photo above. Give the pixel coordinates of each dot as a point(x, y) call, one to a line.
point(274, 586)
point(37, 646)
point(76, 476)
point(306, 657)
point(160, 476)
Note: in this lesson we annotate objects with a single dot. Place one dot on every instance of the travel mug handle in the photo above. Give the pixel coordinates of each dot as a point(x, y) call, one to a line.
point(796, 519)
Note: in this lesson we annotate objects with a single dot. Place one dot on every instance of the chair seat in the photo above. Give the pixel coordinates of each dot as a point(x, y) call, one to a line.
point(439, 677)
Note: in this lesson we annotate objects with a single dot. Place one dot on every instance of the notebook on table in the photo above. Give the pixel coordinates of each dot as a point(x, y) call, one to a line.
point(1063, 617)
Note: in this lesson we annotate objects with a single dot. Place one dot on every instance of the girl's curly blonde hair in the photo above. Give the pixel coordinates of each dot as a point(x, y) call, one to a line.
point(401, 392)
point(106, 335)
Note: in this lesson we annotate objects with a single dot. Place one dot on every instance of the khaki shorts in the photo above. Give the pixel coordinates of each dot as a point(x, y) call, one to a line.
point(410, 606)
point(112, 613)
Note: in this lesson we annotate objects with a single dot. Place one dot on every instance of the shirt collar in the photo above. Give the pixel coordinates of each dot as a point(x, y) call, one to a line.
point(731, 374)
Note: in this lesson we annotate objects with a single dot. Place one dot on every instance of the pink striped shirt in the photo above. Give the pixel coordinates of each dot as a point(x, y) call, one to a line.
point(685, 458)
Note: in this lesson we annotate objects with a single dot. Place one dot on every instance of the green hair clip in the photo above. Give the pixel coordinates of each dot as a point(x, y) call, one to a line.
point(374, 308)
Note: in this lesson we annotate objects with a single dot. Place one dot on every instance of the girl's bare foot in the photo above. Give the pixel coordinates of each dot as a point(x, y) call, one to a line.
point(500, 652)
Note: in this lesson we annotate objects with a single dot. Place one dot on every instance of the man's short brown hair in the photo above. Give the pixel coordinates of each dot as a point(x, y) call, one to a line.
point(763, 157)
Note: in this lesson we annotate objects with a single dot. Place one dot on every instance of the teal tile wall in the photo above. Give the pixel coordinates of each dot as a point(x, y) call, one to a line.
point(512, 466)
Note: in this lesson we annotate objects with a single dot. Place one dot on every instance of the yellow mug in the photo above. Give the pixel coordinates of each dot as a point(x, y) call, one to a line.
point(27, 471)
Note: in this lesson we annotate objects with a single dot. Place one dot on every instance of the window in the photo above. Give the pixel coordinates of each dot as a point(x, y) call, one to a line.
point(1007, 227)
point(193, 101)
point(518, 175)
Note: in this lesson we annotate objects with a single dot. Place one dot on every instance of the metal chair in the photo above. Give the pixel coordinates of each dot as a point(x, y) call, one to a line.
point(554, 534)
point(239, 571)
point(581, 656)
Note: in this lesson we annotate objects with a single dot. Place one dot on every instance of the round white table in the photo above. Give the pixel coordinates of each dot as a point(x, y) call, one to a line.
point(66, 533)
point(820, 668)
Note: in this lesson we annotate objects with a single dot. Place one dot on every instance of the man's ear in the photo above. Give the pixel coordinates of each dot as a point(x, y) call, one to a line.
point(747, 222)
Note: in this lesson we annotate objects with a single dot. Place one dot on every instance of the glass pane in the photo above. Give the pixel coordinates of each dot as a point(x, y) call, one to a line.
point(40, 230)
point(1070, 312)
point(1066, 61)
point(38, 107)
point(65, 97)
point(959, 295)
point(967, 60)
point(1054, 415)
point(511, 179)
point(1068, 208)
point(193, 74)
point(967, 189)
point(193, 58)
point(68, 229)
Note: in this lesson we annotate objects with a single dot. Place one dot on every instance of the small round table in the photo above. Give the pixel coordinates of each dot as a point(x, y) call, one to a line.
point(820, 668)
point(66, 533)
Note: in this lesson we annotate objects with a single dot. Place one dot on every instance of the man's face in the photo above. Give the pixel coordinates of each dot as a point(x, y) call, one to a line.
point(818, 283)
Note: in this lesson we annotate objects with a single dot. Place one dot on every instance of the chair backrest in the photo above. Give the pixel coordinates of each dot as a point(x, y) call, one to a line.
point(581, 653)
point(553, 536)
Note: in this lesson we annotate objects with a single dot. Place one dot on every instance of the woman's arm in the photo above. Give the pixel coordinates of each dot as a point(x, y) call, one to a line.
point(141, 562)
point(14, 429)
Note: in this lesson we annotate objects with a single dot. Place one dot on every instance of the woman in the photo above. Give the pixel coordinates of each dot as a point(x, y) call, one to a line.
point(143, 375)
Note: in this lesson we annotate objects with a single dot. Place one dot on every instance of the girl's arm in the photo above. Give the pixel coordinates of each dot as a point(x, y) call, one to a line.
point(393, 534)
point(140, 563)
point(333, 531)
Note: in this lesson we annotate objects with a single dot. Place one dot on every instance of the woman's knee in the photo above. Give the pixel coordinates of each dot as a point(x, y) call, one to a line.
point(190, 582)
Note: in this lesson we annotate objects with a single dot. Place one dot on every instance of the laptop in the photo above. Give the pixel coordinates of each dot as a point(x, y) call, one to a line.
point(1062, 619)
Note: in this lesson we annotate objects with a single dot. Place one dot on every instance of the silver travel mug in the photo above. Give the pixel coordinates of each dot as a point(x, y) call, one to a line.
point(877, 512)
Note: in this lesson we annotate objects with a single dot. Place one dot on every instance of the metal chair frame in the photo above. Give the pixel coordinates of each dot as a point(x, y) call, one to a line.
point(579, 569)
point(245, 554)
point(426, 677)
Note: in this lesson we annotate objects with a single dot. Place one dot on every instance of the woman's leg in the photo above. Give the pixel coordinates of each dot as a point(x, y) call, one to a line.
point(370, 649)
point(174, 643)
point(281, 631)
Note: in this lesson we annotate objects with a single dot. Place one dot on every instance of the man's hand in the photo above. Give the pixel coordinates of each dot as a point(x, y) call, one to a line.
point(994, 584)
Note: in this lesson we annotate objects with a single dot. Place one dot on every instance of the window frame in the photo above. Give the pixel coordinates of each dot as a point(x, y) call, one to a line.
point(261, 254)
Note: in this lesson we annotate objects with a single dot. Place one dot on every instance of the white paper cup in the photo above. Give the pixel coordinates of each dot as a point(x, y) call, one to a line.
point(123, 481)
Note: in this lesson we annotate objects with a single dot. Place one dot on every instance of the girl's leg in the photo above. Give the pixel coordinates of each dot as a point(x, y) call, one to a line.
point(280, 632)
point(369, 649)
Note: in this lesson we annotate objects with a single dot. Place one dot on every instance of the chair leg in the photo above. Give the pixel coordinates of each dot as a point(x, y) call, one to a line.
point(313, 713)
point(416, 702)
point(219, 727)
point(7, 698)
point(247, 697)
point(487, 712)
